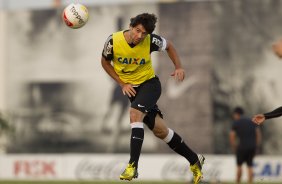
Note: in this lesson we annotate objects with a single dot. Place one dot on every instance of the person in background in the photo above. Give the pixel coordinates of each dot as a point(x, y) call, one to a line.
point(245, 137)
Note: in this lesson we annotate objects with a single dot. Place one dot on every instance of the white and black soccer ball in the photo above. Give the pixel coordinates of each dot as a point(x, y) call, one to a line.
point(75, 15)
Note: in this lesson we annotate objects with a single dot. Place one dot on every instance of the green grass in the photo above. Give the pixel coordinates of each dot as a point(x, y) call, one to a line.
point(105, 182)
point(86, 182)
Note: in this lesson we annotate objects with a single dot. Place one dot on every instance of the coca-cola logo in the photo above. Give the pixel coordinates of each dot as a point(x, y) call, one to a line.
point(88, 169)
point(175, 170)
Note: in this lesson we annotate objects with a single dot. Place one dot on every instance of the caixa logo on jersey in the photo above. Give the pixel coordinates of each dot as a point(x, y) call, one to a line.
point(75, 13)
point(89, 170)
point(131, 61)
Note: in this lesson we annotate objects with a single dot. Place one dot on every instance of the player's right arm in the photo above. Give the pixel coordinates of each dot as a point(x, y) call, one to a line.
point(258, 137)
point(232, 140)
point(107, 56)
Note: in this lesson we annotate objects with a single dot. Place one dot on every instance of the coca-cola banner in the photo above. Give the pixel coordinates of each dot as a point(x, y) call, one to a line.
point(153, 167)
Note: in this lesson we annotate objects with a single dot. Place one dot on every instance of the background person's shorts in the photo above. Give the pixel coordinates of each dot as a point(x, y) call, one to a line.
point(245, 155)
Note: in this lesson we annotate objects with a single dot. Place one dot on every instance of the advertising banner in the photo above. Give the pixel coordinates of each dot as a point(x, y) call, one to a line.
point(107, 167)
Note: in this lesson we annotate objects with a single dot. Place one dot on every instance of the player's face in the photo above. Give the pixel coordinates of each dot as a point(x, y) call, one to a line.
point(137, 34)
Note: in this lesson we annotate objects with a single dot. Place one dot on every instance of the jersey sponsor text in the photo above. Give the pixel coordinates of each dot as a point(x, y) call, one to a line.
point(128, 61)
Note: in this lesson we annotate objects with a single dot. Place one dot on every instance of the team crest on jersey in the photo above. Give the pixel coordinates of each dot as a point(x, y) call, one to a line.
point(131, 61)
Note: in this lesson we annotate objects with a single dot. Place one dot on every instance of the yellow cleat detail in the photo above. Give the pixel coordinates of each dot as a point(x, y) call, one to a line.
point(129, 173)
point(197, 169)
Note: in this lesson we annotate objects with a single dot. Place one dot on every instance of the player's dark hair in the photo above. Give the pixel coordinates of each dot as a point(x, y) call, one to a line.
point(238, 110)
point(147, 20)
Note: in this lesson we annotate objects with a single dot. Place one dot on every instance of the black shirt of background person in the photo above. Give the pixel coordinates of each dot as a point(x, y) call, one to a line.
point(246, 131)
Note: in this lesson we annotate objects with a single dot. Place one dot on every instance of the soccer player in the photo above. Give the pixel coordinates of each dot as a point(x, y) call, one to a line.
point(249, 136)
point(260, 118)
point(127, 59)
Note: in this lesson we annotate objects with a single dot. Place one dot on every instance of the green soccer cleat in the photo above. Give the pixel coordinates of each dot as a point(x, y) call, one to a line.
point(129, 173)
point(197, 169)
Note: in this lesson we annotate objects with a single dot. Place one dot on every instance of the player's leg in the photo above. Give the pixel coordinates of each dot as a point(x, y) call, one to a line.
point(174, 141)
point(137, 135)
point(250, 174)
point(240, 157)
point(147, 95)
point(136, 141)
point(239, 174)
point(156, 123)
point(250, 157)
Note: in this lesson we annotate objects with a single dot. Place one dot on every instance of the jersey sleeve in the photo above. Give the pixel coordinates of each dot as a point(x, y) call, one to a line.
point(158, 43)
point(108, 52)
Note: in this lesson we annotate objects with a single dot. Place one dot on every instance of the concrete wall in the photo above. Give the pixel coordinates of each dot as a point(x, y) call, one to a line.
point(3, 60)
point(188, 26)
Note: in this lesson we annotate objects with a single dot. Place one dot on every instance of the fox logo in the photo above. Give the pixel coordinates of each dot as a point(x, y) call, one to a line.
point(128, 61)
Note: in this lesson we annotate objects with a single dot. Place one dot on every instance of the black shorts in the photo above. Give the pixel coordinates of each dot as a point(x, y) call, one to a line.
point(245, 155)
point(145, 100)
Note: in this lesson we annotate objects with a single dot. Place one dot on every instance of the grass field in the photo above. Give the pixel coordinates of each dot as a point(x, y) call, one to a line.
point(108, 182)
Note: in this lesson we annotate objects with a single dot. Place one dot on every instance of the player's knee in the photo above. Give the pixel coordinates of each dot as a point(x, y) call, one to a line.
point(160, 133)
point(135, 115)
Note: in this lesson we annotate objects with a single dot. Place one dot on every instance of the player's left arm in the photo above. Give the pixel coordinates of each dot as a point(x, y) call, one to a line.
point(159, 43)
point(258, 137)
point(232, 140)
point(179, 73)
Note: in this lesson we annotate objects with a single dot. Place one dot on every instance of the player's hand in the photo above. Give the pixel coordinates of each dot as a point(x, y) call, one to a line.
point(128, 89)
point(277, 48)
point(178, 74)
point(258, 119)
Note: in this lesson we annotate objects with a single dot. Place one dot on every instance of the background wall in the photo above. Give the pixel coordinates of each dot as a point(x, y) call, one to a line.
point(3, 58)
point(65, 96)
point(59, 99)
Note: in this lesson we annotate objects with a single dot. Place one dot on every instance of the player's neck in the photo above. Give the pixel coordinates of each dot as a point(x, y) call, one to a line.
point(127, 37)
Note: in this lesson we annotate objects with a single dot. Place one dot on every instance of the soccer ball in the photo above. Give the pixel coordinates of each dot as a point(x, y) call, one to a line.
point(75, 15)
